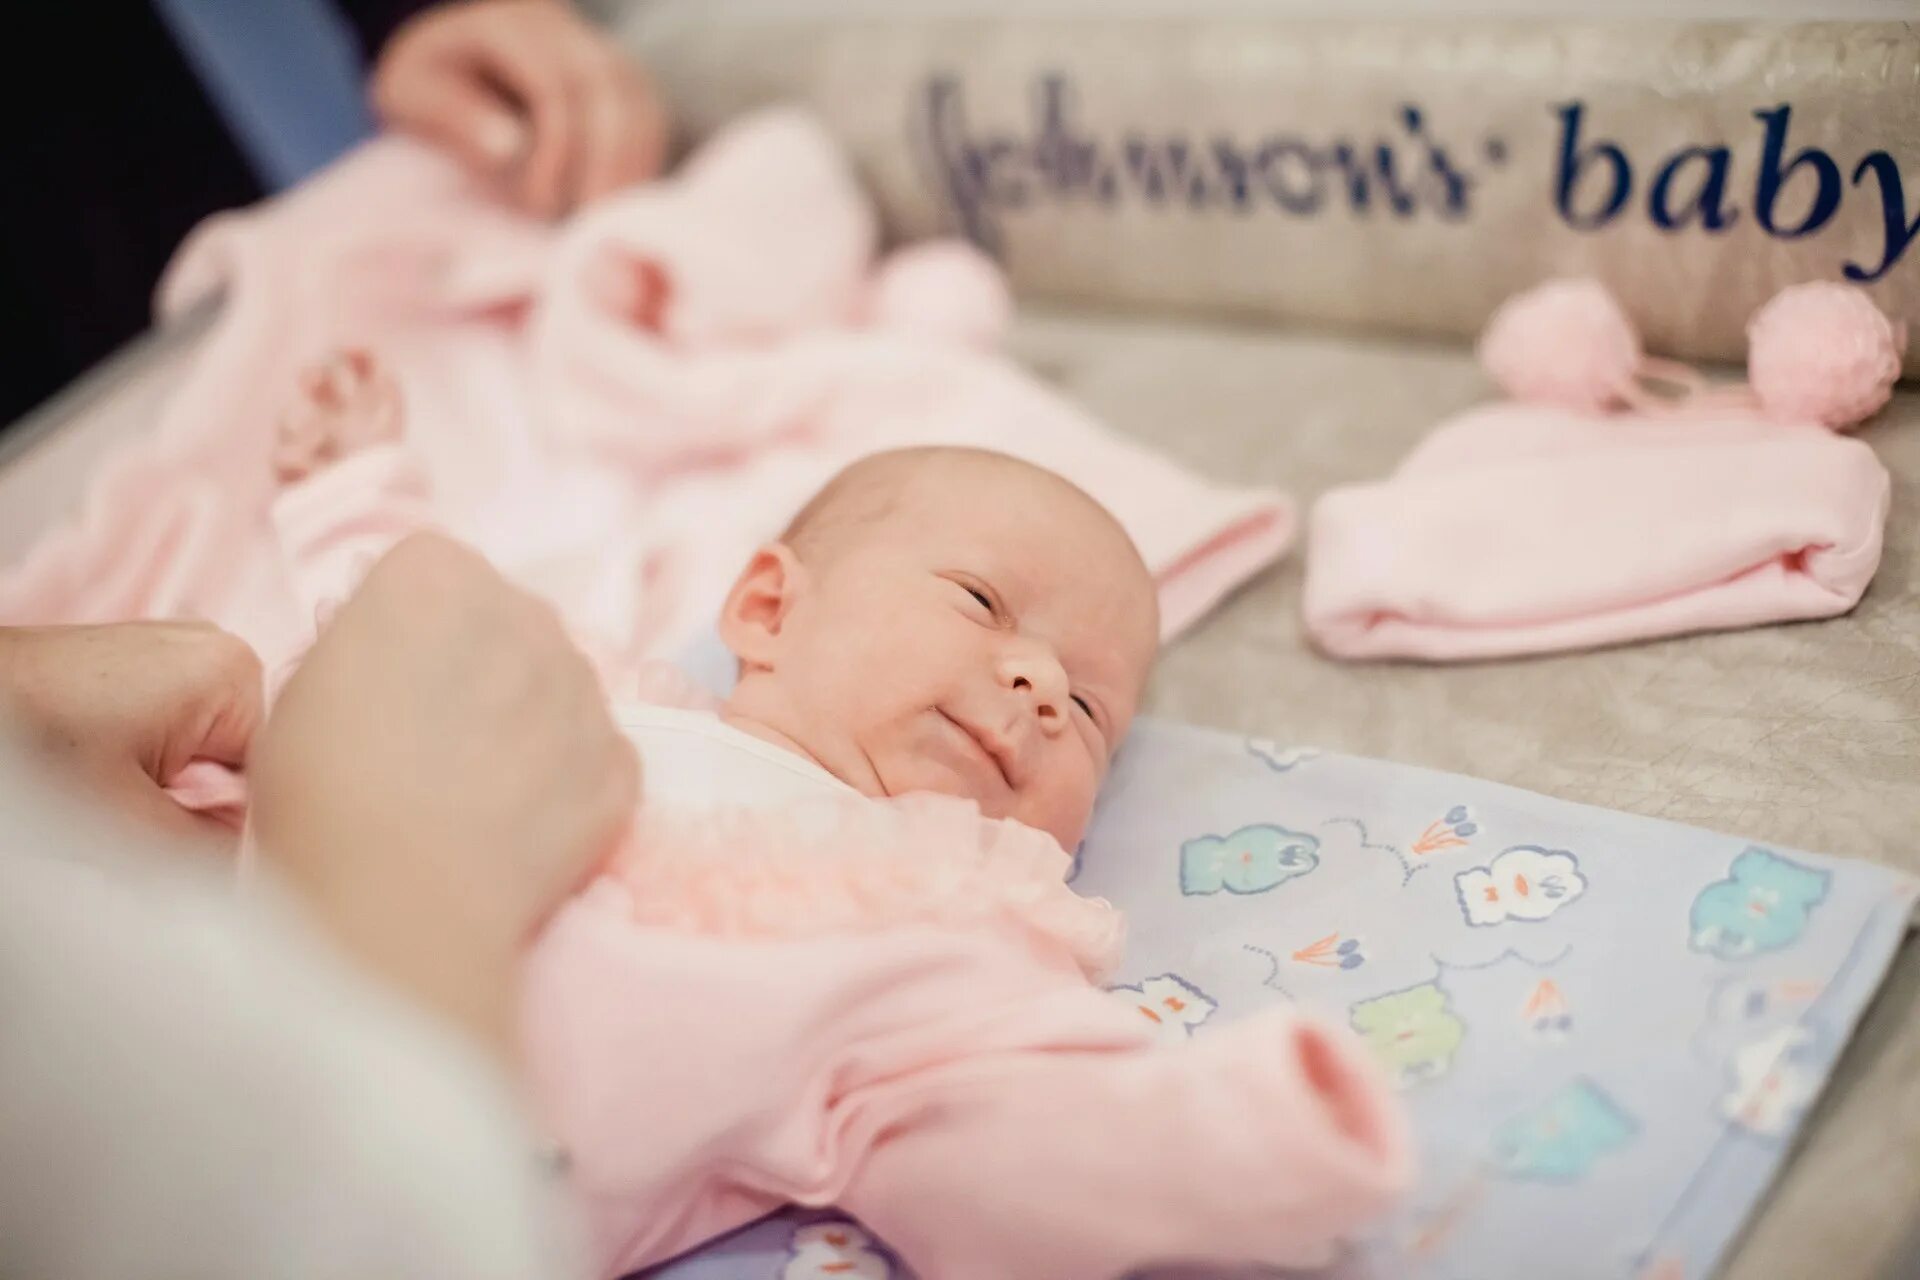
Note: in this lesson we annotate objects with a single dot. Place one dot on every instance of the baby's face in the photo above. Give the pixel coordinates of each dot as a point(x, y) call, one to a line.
point(983, 641)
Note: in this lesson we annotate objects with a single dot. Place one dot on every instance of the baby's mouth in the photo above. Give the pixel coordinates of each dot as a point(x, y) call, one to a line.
point(993, 751)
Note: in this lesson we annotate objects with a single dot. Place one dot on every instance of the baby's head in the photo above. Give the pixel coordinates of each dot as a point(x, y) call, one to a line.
point(949, 620)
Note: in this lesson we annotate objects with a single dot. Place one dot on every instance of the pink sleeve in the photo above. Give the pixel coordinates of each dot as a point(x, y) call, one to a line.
point(1265, 1141)
point(333, 525)
point(696, 1083)
point(978, 1104)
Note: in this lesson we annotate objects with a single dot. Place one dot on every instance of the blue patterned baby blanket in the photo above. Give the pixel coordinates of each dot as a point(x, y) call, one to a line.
point(1607, 1028)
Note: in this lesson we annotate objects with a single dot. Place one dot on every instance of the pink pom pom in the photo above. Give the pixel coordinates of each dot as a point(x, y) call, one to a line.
point(1823, 353)
point(943, 289)
point(1564, 343)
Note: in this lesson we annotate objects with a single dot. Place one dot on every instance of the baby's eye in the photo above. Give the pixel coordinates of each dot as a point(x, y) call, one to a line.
point(1081, 702)
point(980, 596)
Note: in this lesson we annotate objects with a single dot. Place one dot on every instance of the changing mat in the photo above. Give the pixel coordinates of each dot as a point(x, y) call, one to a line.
point(1607, 1027)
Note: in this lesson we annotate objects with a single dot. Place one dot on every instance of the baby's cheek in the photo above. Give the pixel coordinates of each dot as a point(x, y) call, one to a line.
point(1073, 784)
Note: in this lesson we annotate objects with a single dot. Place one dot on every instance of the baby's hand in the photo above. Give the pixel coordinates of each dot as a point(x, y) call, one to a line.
point(340, 407)
point(636, 289)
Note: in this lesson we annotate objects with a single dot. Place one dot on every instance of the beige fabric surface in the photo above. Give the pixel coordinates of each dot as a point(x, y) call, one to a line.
point(1807, 735)
point(1223, 160)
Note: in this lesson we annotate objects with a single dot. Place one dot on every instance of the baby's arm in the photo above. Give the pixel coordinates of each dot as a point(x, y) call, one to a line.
point(350, 487)
point(351, 490)
point(986, 1114)
point(1264, 1141)
point(342, 406)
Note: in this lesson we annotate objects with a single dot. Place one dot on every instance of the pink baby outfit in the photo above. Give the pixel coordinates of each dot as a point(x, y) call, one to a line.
point(889, 1007)
point(614, 411)
point(1521, 528)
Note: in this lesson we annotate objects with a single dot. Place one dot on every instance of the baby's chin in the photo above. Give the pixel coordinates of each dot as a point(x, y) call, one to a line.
point(932, 777)
point(880, 773)
point(929, 777)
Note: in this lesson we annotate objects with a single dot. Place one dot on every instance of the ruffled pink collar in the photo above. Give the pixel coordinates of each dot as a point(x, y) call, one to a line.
point(849, 864)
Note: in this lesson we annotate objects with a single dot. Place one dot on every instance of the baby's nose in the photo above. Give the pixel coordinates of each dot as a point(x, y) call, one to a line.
point(1035, 674)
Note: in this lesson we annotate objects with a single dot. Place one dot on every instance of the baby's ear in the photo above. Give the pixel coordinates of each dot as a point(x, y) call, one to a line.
point(757, 607)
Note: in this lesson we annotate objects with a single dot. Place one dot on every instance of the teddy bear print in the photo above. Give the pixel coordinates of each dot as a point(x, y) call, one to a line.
point(834, 1251)
point(1763, 905)
point(1173, 1005)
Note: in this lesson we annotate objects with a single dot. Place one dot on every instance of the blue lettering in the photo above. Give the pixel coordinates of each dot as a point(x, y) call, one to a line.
point(1898, 230)
point(1002, 178)
point(1199, 189)
point(1573, 160)
point(1766, 189)
point(1400, 199)
point(1069, 162)
point(983, 174)
point(1360, 179)
point(1158, 170)
point(953, 157)
point(1708, 206)
point(1359, 194)
point(1453, 184)
point(1269, 163)
point(1234, 171)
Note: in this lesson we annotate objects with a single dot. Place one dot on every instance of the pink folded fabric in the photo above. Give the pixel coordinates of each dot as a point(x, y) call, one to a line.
point(615, 411)
point(886, 1006)
point(1519, 529)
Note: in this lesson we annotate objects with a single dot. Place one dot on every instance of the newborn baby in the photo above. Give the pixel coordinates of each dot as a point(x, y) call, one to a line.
point(936, 620)
point(836, 963)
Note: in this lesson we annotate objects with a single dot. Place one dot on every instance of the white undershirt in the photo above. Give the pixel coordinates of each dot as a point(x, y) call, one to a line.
point(694, 760)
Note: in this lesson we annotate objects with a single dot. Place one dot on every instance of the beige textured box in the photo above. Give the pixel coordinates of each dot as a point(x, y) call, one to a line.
point(1396, 174)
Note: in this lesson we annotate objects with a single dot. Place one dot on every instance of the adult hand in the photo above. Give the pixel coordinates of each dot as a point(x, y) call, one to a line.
point(439, 773)
point(128, 705)
point(525, 91)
